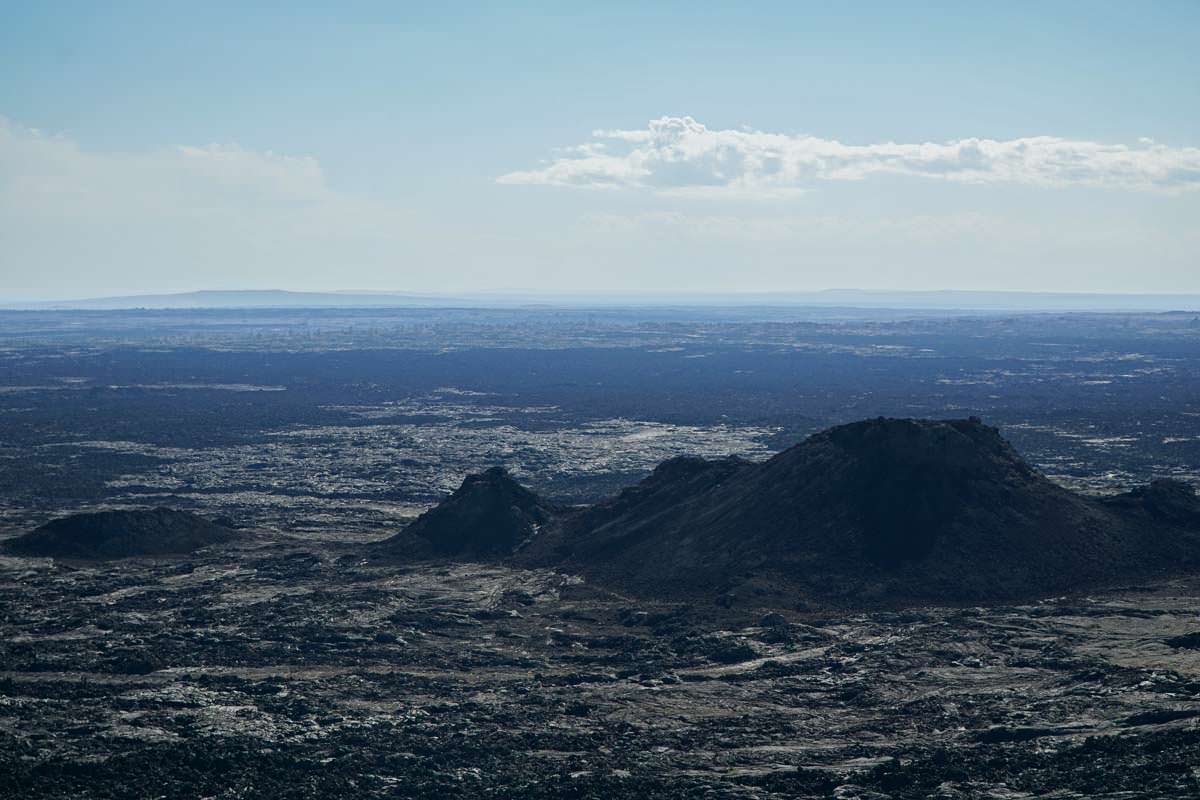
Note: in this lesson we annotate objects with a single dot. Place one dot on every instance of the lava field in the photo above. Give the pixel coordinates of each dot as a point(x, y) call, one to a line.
point(292, 662)
point(278, 668)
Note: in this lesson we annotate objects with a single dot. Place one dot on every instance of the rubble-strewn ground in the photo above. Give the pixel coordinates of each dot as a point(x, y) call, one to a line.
point(290, 668)
point(286, 667)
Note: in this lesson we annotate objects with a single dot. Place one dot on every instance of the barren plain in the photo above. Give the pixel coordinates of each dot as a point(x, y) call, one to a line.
point(290, 665)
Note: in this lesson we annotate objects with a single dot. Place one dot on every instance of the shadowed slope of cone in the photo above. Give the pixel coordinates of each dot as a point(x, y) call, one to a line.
point(489, 515)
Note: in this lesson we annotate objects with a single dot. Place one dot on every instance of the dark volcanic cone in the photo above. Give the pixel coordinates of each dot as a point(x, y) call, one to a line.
point(879, 512)
point(121, 534)
point(874, 511)
point(489, 515)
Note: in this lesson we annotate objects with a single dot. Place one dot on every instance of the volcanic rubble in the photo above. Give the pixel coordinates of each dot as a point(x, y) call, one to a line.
point(708, 650)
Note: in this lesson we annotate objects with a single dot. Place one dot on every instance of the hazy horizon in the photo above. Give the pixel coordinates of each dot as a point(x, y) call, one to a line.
point(848, 298)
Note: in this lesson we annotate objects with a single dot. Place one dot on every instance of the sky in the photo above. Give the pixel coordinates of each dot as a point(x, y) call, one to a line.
point(568, 148)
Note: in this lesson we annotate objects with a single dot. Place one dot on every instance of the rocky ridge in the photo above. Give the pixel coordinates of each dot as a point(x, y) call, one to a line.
point(875, 512)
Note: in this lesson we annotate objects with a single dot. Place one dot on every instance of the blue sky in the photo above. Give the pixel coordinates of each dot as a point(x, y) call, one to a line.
point(769, 146)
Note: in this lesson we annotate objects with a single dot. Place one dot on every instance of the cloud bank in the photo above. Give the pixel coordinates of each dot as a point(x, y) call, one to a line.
point(679, 155)
point(175, 218)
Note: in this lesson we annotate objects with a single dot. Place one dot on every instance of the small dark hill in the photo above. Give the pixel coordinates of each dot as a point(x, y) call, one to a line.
point(121, 534)
point(1164, 499)
point(879, 511)
point(489, 515)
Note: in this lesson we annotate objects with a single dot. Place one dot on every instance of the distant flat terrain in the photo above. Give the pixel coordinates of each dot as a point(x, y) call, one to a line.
point(333, 421)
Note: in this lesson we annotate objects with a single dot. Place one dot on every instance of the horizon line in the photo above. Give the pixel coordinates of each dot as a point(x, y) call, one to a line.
point(899, 299)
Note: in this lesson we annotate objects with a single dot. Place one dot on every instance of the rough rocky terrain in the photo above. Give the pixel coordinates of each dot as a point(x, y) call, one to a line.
point(287, 670)
point(284, 664)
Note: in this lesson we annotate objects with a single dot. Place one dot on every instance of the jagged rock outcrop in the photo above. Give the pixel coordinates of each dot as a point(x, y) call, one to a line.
point(489, 515)
point(121, 534)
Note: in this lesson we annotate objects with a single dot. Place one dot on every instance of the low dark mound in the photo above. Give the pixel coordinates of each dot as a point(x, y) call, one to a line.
point(875, 511)
point(121, 534)
point(489, 515)
point(1164, 499)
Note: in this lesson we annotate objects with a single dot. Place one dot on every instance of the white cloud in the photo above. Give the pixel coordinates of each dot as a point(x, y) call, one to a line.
point(177, 217)
point(55, 166)
point(680, 155)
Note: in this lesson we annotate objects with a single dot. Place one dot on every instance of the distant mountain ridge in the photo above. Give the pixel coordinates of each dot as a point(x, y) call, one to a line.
point(940, 300)
point(258, 298)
